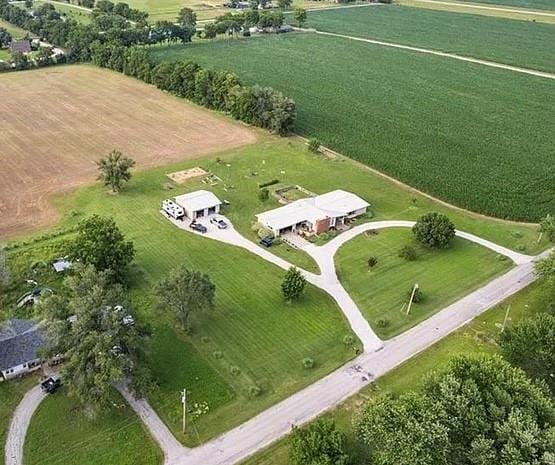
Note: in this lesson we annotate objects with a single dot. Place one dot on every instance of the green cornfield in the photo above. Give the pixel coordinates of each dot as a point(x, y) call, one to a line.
point(479, 137)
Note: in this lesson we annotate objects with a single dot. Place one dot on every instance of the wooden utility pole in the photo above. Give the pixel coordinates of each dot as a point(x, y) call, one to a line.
point(184, 402)
point(412, 297)
point(506, 317)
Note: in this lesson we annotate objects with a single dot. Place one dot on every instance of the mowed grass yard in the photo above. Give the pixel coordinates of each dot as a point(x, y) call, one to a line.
point(251, 326)
point(520, 43)
point(61, 433)
point(478, 337)
point(478, 137)
point(382, 292)
point(10, 395)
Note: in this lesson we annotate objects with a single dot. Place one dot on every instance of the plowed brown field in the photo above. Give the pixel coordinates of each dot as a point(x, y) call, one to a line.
point(56, 122)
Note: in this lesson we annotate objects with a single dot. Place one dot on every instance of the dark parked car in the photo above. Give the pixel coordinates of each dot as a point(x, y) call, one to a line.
point(198, 227)
point(267, 241)
point(51, 384)
point(221, 224)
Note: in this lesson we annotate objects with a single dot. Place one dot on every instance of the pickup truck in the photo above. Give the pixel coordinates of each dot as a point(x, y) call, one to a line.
point(51, 384)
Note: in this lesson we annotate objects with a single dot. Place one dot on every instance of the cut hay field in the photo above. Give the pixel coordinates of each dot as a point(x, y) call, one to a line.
point(477, 137)
point(57, 122)
point(520, 43)
point(527, 4)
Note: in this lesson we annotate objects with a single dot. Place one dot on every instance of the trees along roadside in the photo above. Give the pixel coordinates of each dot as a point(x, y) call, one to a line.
point(478, 411)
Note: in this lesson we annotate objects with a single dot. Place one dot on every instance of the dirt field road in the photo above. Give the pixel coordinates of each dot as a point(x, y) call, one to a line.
point(56, 122)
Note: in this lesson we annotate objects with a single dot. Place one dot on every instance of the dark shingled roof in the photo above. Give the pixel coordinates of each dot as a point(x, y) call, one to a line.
point(20, 342)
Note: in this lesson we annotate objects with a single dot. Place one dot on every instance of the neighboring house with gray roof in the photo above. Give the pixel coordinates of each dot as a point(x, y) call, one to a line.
point(20, 344)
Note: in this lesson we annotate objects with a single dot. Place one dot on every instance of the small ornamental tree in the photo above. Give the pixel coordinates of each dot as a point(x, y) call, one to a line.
point(293, 284)
point(115, 170)
point(100, 243)
point(408, 252)
point(263, 194)
point(318, 443)
point(300, 16)
point(372, 262)
point(434, 230)
point(5, 37)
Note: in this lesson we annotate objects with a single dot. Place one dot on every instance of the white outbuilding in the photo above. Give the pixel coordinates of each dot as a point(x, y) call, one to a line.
point(198, 204)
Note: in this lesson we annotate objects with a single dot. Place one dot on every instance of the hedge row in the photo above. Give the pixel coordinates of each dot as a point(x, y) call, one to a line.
point(260, 106)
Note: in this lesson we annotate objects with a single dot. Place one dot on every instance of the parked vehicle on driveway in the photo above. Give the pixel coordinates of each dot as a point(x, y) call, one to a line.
point(267, 241)
point(51, 384)
point(198, 227)
point(221, 224)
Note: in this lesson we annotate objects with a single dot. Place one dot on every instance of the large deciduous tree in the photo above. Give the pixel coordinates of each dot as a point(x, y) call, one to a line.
point(434, 230)
point(101, 342)
point(115, 170)
point(100, 243)
point(478, 411)
point(187, 17)
point(293, 284)
point(530, 344)
point(318, 443)
point(184, 292)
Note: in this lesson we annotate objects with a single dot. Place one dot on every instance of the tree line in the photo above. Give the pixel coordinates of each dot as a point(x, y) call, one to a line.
point(219, 90)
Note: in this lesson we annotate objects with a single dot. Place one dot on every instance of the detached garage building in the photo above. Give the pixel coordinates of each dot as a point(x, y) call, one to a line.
point(315, 214)
point(199, 204)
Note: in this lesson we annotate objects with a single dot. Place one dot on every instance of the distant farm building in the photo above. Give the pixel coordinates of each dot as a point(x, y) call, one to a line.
point(199, 204)
point(314, 214)
point(20, 46)
point(20, 344)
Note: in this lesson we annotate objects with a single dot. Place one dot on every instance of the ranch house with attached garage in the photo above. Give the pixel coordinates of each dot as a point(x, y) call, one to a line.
point(314, 215)
point(20, 344)
point(199, 204)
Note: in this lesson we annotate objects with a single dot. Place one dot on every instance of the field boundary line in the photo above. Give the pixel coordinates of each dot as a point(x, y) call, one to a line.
point(330, 152)
point(491, 64)
point(503, 8)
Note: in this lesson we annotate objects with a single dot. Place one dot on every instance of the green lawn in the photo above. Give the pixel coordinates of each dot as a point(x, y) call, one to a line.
point(456, 130)
point(15, 31)
point(251, 325)
point(11, 394)
point(60, 433)
point(381, 292)
point(5, 54)
point(515, 42)
point(475, 338)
